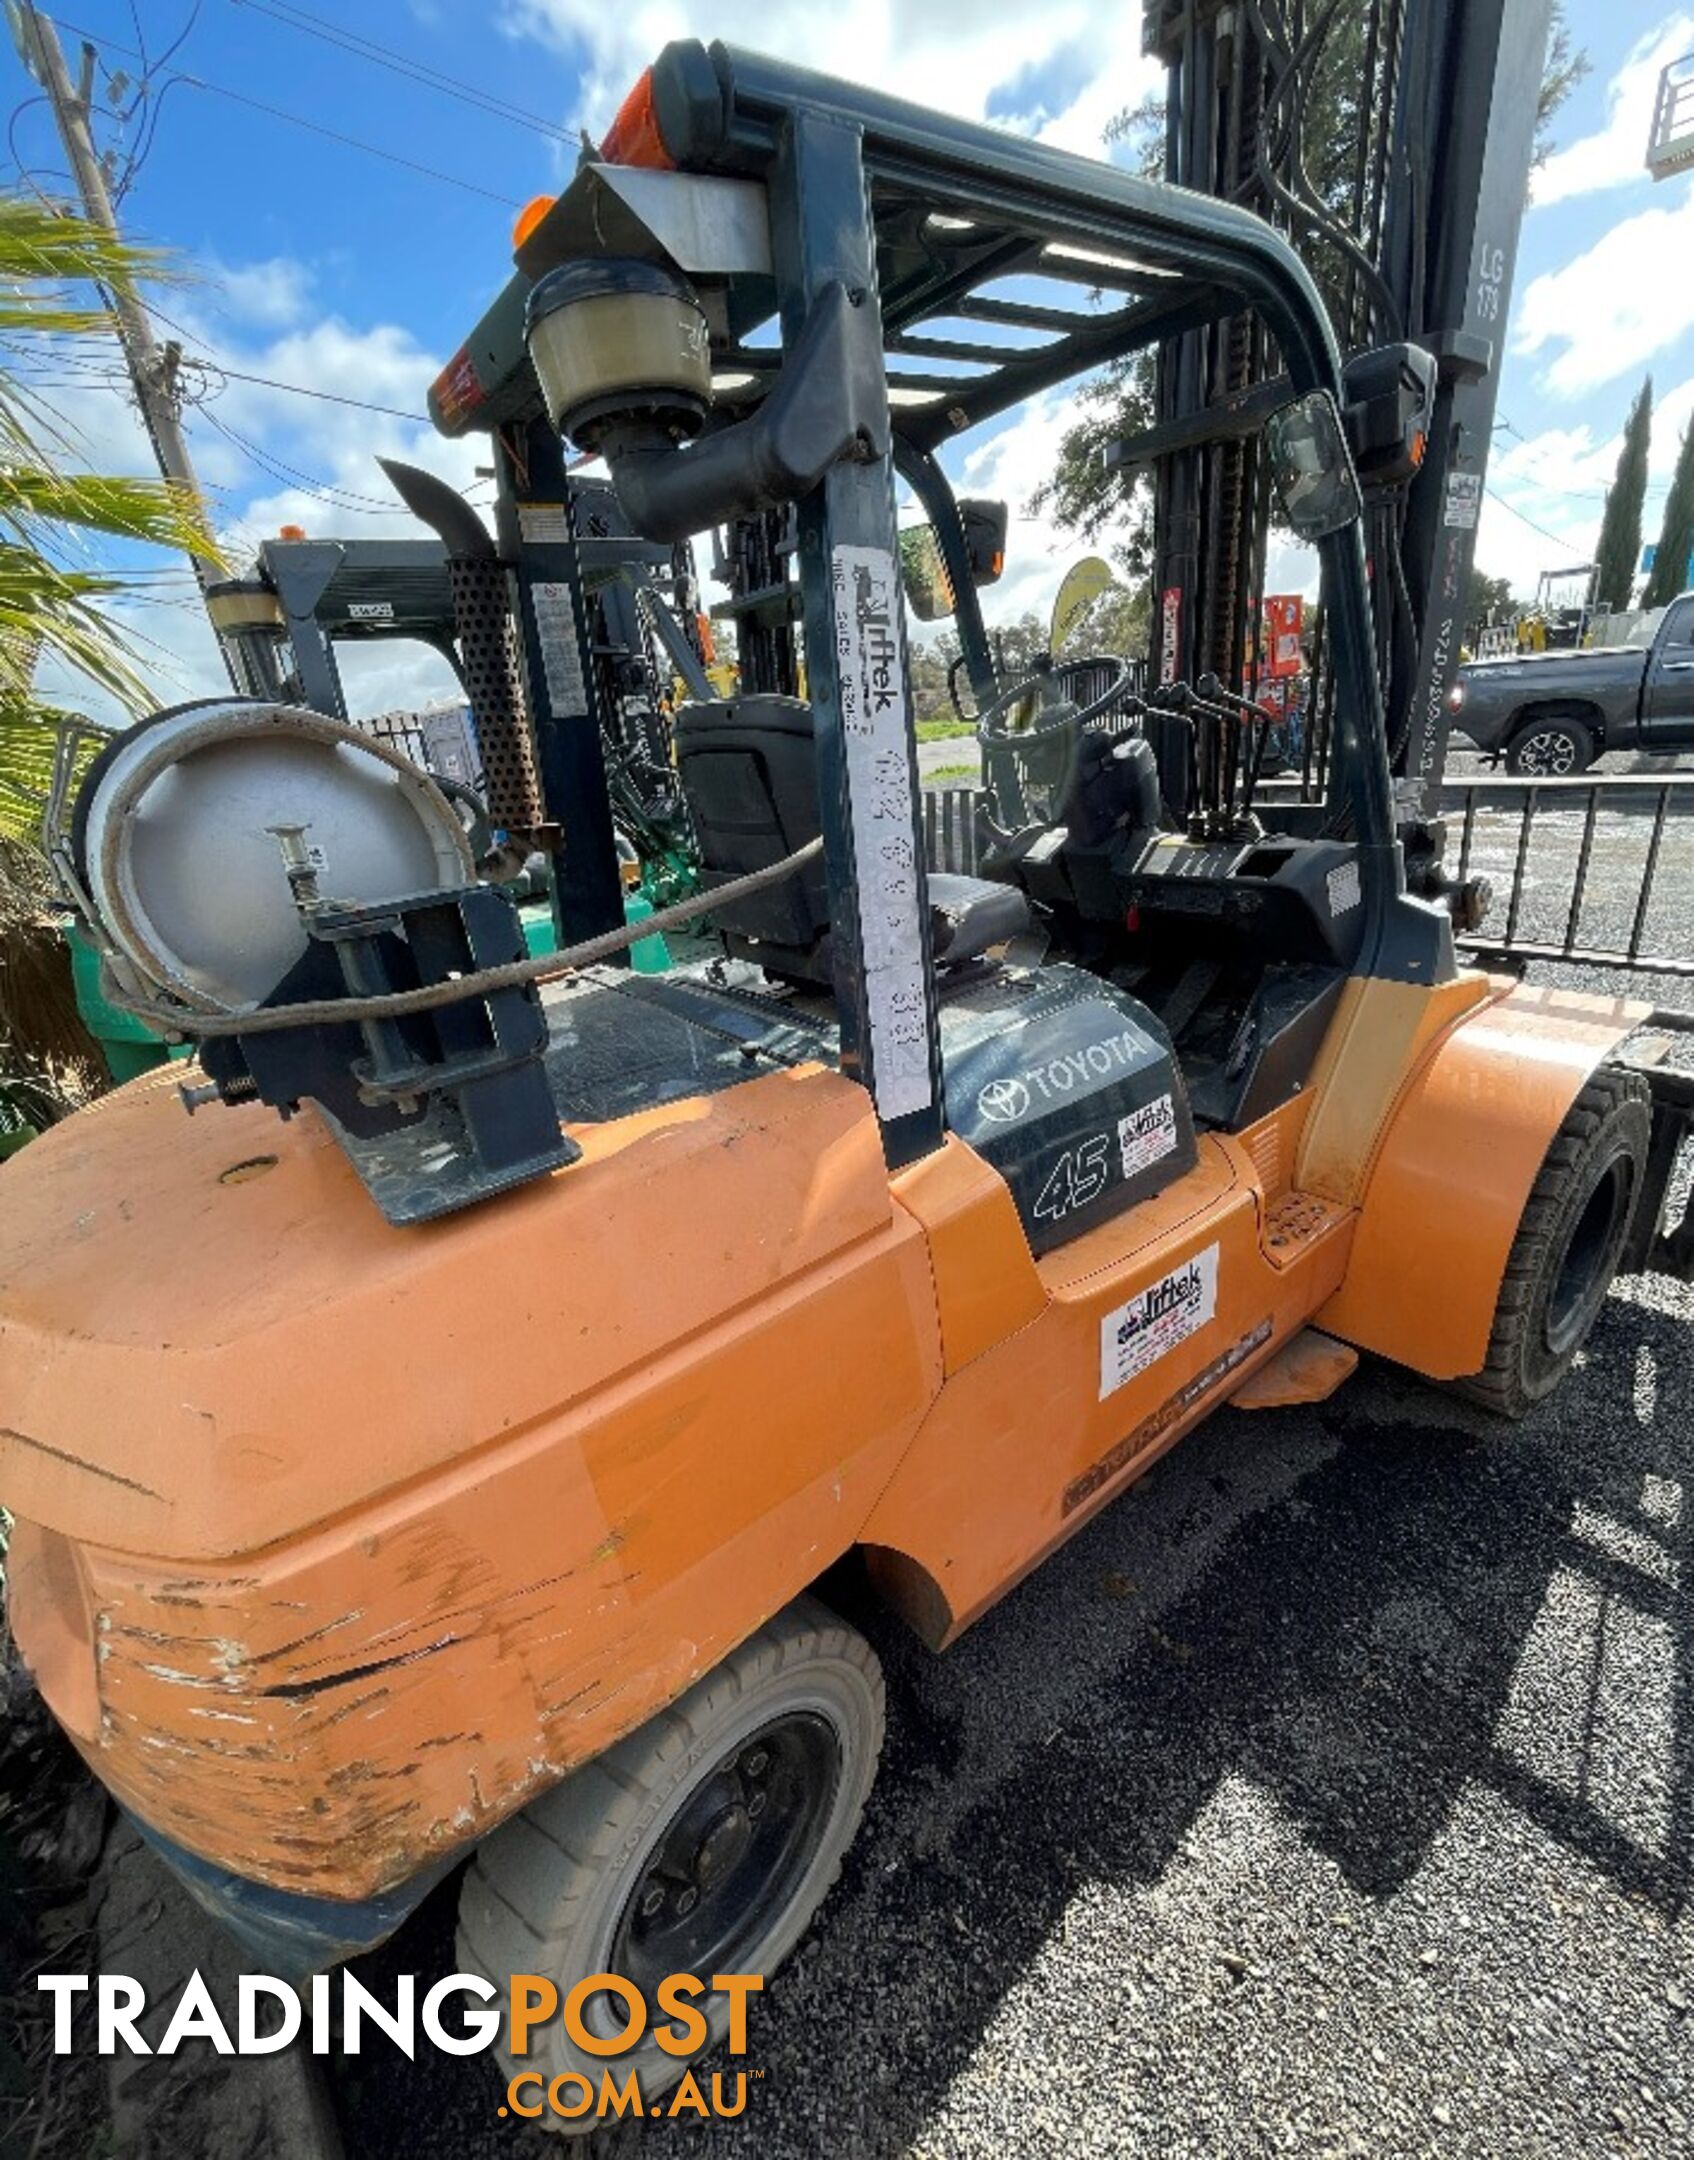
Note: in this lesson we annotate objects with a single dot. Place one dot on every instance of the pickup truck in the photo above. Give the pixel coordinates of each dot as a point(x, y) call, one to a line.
point(1551, 715)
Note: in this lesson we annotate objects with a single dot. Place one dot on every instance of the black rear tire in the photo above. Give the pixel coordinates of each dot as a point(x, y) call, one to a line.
point(1551, 748)
point(703, 1842)
point(1568, 1244)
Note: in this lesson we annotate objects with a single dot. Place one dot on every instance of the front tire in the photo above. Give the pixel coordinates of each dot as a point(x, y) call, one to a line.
point(1568, 1244)
point(1552, 748)
point(704, 1842)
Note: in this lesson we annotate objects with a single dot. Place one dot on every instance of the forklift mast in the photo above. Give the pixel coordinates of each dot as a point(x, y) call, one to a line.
point(1416, 243)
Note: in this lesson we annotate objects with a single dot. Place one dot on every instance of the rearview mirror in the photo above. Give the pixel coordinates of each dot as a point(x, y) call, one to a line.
point(1312, 466)
point(924, 574)
point(985, 539)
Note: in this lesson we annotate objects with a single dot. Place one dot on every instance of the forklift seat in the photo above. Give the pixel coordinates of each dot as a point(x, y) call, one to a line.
point(749, 771)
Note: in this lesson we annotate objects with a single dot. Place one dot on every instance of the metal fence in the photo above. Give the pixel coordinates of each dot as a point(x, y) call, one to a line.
point(949, 828)
point(1596, 872)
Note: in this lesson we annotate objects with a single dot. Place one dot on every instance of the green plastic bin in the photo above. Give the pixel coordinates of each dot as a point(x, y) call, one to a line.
point(128, 1045)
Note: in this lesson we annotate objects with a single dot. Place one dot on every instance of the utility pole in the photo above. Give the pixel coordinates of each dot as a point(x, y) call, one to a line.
point(153, 370)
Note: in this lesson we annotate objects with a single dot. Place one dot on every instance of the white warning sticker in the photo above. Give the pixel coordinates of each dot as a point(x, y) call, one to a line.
point(1139, 1332)
point(561, 648)
point(1147, 1134)
point(879, 780)
point(1343, 882)
point(1463, 505)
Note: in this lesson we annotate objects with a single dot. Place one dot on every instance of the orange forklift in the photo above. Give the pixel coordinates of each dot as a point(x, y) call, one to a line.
point(429, 1453)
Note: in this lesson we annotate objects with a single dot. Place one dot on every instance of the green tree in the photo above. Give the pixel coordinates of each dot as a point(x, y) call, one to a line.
point(50, 608)
point(1116, 623)
point(1620, 523)
point(1669, 574)
point(49, 597)
point(1491, 598)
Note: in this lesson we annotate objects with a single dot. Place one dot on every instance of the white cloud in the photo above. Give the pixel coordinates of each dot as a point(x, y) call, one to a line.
point(1605, 313)
point(951, 54)
point(1556, 481)
point(1616, 154)
point(264, 295)
point(258, 318)
point(268, 457)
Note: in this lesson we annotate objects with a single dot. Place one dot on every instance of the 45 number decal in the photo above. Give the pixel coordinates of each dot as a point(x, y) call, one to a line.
point(1079, 1175)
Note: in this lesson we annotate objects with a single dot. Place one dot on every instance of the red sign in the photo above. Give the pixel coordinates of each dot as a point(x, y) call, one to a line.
point(1170, 626)
point(1285, 616)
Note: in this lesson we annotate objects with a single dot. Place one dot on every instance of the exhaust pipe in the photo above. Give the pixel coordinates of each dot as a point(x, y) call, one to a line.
point(488, 651)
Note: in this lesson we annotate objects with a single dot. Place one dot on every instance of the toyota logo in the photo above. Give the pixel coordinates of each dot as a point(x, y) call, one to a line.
point(1003, 1101)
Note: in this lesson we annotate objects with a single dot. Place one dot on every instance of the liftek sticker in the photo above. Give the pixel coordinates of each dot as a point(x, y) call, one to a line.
point(1147, 1134)
point(1343, 888)
point(1151, 1324)
point(876, 740)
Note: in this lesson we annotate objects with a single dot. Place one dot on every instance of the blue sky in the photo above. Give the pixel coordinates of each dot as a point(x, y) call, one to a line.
point(318, 264)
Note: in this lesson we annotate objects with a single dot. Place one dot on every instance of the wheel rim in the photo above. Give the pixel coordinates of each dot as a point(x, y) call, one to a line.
point(1549, 756)
point(1589, 1258)
point(731, 1860)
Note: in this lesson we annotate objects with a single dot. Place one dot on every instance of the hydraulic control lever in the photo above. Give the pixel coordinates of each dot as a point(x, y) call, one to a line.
point(1211, 814)
point(1210, 687)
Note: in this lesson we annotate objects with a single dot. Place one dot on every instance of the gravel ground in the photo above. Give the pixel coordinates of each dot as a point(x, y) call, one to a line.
point(1332, 1793)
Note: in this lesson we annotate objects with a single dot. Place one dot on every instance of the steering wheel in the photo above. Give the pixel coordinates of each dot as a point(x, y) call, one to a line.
point(1055, 722)
point(986, 720)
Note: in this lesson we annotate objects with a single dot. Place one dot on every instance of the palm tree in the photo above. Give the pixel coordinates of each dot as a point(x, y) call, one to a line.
point(51, 609)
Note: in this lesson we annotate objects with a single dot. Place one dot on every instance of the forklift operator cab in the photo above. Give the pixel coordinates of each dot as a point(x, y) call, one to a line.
point(749, 770)
point(987, 1190)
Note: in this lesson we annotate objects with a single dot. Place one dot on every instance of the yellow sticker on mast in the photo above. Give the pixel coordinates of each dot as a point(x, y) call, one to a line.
point(879, 783)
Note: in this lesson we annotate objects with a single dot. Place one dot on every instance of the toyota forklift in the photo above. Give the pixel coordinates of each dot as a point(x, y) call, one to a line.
point(427, 1455)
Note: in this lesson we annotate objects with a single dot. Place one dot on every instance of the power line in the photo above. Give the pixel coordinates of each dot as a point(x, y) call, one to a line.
point(351, 142)
point(294, 389)
point(310, 25)
point(270, 382)
point(324, 491)
point(1568, 494)
point(152, 372)
point(148, 132)
point(1558, 539)
point(278, 112)
point(110, 375)
point(181, 39)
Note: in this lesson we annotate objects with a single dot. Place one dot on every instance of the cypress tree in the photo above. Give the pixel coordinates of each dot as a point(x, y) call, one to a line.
point(1676, 536)
point(1620, 526)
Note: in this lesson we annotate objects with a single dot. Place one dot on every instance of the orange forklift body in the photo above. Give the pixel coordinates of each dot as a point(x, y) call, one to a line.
point(338, 1542)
